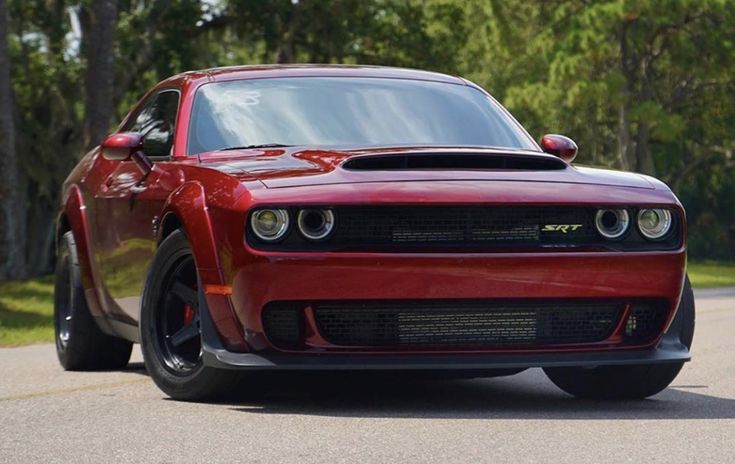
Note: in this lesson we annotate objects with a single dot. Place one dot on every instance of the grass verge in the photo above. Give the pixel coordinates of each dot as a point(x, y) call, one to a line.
point(26, 311)
point(707, 274)
point(26, 307)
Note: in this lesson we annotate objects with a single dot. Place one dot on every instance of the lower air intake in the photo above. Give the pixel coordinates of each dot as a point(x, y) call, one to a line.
point(644, 322)
point(283, 323)
point(465, 323)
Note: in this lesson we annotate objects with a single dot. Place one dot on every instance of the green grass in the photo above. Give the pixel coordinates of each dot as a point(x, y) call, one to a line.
point(26, 312)
point(26, 307)
point(707, 274)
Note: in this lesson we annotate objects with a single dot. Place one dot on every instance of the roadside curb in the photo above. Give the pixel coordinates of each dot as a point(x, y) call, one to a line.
point(717, 292)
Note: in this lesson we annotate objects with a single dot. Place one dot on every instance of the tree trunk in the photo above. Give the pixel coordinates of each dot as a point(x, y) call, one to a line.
point(633, 156)
point(100, 78)
point(626, 149)
point(12, 198)
point(624, 145)
point(644, 159)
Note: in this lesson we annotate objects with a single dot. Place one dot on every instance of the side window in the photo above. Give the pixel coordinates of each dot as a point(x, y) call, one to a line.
point(156, 121)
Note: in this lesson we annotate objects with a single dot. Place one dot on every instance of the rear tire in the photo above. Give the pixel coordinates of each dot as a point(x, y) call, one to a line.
point(629, 382)
point(80, 344)
point(169, 325)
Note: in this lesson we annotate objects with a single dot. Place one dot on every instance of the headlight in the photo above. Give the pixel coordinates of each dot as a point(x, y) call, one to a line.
point(269, 224)
point(612, 223)
point(316, 224)
point(654, 223)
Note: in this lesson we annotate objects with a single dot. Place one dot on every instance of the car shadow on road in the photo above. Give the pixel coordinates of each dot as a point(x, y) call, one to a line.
point(525, 396)
point(135, 368)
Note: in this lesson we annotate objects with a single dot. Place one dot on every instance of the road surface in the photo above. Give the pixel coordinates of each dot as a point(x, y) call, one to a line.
point(48, 415)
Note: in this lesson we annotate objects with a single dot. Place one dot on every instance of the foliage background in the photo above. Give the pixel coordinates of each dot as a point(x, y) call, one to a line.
point(644, 85)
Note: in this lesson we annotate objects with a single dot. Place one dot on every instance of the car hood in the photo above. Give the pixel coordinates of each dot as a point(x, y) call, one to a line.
point(297, 167)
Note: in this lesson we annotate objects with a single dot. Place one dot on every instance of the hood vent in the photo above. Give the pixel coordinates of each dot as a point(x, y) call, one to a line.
point(451, 161)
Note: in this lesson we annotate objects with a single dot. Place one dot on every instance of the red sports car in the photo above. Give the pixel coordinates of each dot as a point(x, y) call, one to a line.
point(363, 218)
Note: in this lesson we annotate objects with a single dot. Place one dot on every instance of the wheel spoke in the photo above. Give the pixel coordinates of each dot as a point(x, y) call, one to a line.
point(178, 327)
point(186, 294)
point(185, 334)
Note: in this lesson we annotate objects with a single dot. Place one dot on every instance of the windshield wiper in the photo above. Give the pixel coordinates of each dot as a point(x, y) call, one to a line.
point(260, 145)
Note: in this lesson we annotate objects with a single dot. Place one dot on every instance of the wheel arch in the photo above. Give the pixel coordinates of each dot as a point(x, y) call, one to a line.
point(169, 224)
point(186, 209)
point(73, 218)
point(62, 226)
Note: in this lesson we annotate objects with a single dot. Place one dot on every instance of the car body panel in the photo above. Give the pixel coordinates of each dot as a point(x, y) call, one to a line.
point(299, 167)
point(117, 214)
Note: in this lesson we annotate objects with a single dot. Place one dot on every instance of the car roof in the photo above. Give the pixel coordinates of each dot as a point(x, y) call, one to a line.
point(312, 70)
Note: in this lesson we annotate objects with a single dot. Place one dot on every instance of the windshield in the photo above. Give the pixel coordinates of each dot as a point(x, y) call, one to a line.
point(334, 112)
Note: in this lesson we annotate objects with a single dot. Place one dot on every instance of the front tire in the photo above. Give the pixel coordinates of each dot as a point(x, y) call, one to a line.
point(629, 382)
point(80, 344)
point(170, 329)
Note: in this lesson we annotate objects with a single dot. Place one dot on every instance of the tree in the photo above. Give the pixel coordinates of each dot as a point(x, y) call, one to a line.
point(100, 73)
point(644, 85)
point(12, 198)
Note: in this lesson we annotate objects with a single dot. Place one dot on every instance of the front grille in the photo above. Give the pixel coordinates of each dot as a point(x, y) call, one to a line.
point(460, 226)
point(465, 323)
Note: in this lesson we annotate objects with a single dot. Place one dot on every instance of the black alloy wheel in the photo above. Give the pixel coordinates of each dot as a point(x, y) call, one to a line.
point(177, 327)
point(170, 326)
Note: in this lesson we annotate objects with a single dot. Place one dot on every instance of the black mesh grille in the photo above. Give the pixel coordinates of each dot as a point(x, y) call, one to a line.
point(284, 323)
point(465, 323)
point(461, 225)
point(644, 322)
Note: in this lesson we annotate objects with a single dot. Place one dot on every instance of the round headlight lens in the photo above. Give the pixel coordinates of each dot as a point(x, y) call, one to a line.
point(654, 223)
point(316, 224)
point(269, 224)
point(612, 223)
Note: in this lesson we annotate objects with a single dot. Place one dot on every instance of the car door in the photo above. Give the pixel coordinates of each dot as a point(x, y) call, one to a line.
point(127, 203)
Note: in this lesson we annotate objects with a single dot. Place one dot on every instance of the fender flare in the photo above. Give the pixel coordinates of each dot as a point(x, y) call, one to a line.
point(75, 212)
point(188, 204)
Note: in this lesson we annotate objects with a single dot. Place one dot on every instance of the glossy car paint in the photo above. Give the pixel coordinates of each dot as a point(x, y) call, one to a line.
point(119, 215)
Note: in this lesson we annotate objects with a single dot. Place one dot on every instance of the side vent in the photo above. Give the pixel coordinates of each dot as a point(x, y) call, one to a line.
point(451, 161)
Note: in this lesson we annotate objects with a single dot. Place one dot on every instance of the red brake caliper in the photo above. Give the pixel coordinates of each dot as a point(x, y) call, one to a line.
point(188, 315)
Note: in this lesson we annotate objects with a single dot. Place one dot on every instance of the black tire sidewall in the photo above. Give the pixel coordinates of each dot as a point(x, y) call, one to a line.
point(686, 315)
point(65, 265)
point(202, 381)
point(87, 348)
point(630, 382)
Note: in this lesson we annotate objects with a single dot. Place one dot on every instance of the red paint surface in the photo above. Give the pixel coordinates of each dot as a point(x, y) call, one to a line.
point(559, 145)
point(120, 146)
point(112, 208)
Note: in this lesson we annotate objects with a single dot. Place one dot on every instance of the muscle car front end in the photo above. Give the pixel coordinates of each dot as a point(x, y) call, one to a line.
point(326, 217)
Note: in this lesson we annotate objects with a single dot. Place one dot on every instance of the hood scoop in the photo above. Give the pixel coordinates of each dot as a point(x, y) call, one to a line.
point(454, 161)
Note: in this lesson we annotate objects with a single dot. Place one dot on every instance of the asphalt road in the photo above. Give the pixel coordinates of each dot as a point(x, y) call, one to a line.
point(48, 415)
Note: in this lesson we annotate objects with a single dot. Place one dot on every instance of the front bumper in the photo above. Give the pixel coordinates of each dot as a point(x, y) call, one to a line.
point(669, 350)
point(269, 277)
point(266, 277)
